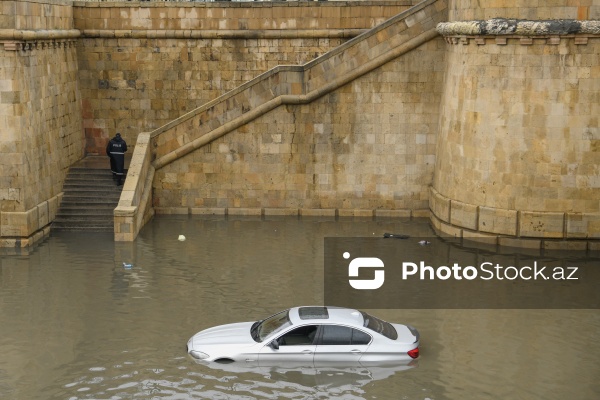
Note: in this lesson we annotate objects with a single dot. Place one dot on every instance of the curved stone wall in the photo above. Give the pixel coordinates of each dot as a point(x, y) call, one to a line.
point(519, 144)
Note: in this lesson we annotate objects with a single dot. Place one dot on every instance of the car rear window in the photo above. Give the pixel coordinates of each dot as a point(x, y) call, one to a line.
point(379, 326)
point(313, 313)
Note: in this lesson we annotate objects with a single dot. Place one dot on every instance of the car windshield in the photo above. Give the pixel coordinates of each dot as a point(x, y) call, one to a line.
point(262, 329)
point(379, 326)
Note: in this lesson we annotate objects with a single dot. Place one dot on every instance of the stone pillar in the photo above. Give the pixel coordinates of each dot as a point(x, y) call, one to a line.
point(519, 148)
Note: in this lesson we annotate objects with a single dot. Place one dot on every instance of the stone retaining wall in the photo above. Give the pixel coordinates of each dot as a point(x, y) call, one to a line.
point(350, 133)
point(518, 141)
point(145, 64)
point(40, 115)
point(467, 10)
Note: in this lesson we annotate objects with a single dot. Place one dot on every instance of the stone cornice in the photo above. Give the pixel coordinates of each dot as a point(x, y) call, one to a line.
point(517, 27)
point(221, 33)
point(18, 39)
point(21, 34)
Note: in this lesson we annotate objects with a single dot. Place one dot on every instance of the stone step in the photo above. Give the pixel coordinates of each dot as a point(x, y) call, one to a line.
point(83, 214)
point(88, 202)
point(111, 190)
point(78, 179)
point(96, 228)
point(80, 207)
point(90, 196)
point(74, 222)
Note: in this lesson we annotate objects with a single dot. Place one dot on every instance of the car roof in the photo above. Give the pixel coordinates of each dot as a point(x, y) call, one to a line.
point(325, 315)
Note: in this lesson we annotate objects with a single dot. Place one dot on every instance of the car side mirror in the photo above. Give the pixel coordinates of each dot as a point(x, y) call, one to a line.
point(274, 344)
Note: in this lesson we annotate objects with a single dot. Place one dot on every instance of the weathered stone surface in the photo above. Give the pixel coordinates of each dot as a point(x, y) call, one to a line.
point(498, 221)
point(40, 113)
point(541, 224)
point(503, 26)
point(463, 214)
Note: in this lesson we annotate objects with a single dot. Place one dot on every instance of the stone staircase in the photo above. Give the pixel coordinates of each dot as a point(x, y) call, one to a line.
point(90, 196)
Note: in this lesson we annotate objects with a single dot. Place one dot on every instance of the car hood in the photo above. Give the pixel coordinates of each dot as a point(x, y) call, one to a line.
point(238, 333)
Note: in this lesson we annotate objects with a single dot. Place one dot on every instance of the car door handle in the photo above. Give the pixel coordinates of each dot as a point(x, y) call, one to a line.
point(355, 351)
point(306, 351)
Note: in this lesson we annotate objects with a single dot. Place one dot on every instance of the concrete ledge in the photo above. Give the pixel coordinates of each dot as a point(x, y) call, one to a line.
point(583, 225)
point(244, 211)
point(566, 245)
point(316, 212)
point(355, 213)
point(449, 230)
point(480, 237)
point(393, 213)
point(495, 220)
point(541, 224)
point(208, 211)
point(463, 214)
point(282, 211)
point(534, 221)
point(502, 222)
point(520, 243)
point(594, 246)
point(439, 205)
point(171, 210)
point(421, 213)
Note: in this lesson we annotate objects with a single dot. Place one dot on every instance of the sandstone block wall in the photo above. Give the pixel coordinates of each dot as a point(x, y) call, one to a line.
point(466, 10)
point(40, 115)
point(517, 148)
point(367, 146)
point(143, 65)
point(36, 14)
point(137, 85)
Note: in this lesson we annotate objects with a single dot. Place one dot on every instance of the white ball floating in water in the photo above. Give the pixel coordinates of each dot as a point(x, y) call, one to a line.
point(181, 238)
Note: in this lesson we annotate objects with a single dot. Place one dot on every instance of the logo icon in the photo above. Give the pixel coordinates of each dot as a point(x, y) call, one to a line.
point(365, 262)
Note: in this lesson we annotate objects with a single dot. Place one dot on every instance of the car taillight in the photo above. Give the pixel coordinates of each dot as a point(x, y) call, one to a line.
point(414, 353)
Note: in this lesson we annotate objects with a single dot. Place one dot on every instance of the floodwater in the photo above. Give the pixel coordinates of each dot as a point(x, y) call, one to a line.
point(76, 323)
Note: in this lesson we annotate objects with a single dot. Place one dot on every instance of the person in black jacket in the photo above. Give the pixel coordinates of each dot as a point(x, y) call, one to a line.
point(116, 149)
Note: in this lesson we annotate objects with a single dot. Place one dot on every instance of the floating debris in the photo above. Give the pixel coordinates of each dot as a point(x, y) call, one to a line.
point(181, 238)
point(395, 236)
point(424, 242)
point(127, 266)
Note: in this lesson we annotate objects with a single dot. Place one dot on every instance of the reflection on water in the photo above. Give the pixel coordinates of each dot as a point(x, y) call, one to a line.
point(76, 323)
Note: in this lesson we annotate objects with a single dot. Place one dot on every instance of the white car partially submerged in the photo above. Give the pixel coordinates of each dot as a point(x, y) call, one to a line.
point(308, 336)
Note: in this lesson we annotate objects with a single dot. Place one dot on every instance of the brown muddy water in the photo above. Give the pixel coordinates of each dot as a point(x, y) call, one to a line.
point(75, 323)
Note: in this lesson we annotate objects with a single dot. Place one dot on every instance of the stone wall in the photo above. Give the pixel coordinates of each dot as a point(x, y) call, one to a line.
point(518, 147)
point(466, 10)
point(36, 14)
point(366, 149)
point(324, 138)
point(40, 115)
point(143, 65)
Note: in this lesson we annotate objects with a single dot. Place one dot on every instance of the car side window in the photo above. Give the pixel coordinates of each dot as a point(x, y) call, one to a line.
point(303, 335)
point(343, 335)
